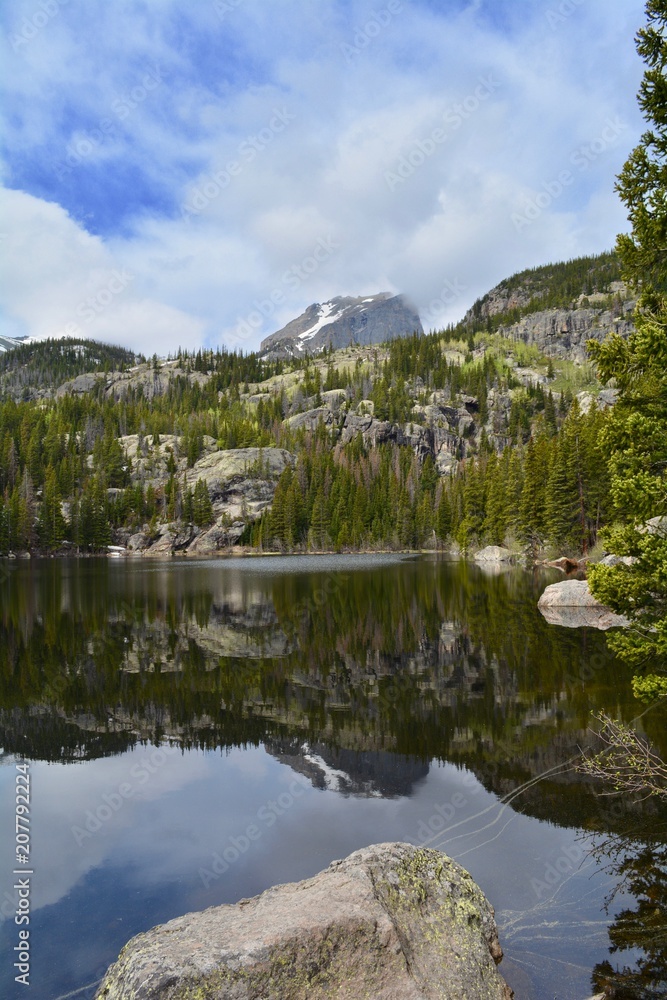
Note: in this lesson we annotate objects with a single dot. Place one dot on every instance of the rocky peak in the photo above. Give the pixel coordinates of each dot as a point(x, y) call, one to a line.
point(344, 321)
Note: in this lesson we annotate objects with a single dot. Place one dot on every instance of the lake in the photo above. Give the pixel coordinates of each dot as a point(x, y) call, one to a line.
point(195, 732)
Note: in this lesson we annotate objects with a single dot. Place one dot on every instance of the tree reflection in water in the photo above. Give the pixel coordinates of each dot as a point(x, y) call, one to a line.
point(409, 662)
point(640, 865)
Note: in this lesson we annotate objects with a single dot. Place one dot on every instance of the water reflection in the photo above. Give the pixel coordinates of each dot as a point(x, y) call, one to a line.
point(638, 863)
point(418, 658)
point(365, 678)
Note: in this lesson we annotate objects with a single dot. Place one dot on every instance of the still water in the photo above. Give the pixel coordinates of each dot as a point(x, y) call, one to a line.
point(196, 732)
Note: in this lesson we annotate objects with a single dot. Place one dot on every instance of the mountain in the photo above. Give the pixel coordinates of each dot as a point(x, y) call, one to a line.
point(364, 773)
point(557, 308)
point(9, 343)
point(342, 322)
point(355, 447)
point(32, 369)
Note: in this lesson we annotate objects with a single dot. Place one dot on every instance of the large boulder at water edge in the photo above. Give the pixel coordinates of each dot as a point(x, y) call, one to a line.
point(571, 603)
point(493, 554)
point(390, 922)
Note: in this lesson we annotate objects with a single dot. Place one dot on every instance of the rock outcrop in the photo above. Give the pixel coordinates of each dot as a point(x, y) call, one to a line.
point(570, 603)
point(151, 380)
point(241, 483)
point(344, 321)
point(603, 305)
point(564, 333)
point(614, 560)
point(390, 922)
point(219, 467)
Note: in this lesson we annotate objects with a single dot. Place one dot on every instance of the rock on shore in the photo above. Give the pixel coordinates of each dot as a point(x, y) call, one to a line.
point(493, 554)
point(389, 922)
point(570, 603)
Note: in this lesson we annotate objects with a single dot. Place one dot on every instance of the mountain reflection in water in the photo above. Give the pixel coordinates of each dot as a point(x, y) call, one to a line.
point(359, 674)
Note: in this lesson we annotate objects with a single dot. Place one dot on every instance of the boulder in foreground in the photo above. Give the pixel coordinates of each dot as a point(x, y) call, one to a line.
point(570, 603)
point(391, 922)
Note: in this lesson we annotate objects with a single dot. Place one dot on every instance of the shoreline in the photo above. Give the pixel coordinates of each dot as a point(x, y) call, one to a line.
point(233, 552)
point(516, 561)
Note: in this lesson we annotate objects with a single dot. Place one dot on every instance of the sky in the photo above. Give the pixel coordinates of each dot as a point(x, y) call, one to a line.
point(196, 174)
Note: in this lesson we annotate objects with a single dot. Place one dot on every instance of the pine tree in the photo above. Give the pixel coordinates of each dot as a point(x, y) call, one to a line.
point(533, 493)
point(443, 517)
point(34, 457)
point(202, 507)
point(405, 520)
point(188, 506)
point(424, 519)
point(550, 419)
point(319, 522)
point(101, 526)
point(474, 501)
point(635, 436)
point(642, 183)
point(277, 527)
point(51, 525)
point(5, 532)
point(561, 501)
point(496, 521)
point(513, 463)
point(25, 513)
point(93, 531)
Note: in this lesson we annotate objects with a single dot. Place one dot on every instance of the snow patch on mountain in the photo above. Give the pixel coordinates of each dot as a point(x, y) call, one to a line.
point(343, 321)
point(328, 314)
point(9, 343)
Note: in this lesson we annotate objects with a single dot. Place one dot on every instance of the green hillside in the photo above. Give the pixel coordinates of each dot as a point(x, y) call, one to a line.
point(460, 436)
point(49, 363)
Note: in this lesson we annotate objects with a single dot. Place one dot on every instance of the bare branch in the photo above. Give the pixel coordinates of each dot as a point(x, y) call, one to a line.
point(627, 761)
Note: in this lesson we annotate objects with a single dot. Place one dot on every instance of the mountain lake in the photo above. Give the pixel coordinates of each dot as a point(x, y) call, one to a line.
point(194, 732)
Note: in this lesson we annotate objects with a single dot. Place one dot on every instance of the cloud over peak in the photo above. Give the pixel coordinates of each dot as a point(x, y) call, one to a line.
point(212, 151)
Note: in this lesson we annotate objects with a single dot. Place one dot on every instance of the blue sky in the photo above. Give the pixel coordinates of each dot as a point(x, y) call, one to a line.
point(189, 174)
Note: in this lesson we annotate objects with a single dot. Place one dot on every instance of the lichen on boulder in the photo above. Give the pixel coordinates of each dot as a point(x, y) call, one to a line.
point(389, 922)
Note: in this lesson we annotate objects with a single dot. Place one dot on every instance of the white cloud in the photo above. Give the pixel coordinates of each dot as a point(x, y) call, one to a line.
point(79, 816)
point(279, 138)
point(59, 280)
